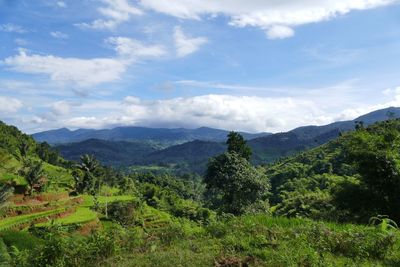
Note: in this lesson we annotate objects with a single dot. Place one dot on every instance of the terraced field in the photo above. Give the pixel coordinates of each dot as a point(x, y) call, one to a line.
point(80, 216)
point(81, 211)
point(11, 222)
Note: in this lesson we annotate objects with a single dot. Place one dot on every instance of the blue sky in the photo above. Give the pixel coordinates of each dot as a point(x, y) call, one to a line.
point(254, 65)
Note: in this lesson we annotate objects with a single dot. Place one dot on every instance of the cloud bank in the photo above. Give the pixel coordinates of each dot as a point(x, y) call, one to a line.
point(276, 18)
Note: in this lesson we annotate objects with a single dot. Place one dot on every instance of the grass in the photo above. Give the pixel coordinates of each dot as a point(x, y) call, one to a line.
point(80, 216)
point(57, 176)
point(11, 222)
point(88, 201)
point(260, 240)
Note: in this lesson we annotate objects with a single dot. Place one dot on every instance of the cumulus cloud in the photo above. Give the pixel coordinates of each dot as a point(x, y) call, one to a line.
point(279, 32)
point(267, 14)
point(59, 35)
point(186, 45)
point(9, 27)
point(115, 13)
point(247, 113)
point(132, 49)
point(84, 72)
point(9, 105)
point(231, 112)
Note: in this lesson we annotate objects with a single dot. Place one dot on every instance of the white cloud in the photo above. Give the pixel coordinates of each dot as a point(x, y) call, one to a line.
point(279, 32)
point(245, 113)
point(9, 27)
point(115, 12)
point(185, 45)
point(85, 72)
point(59, 35)
point(132, 49)
point(264, 14)
point(9, 105)
point(60, 108)
point(61, 4)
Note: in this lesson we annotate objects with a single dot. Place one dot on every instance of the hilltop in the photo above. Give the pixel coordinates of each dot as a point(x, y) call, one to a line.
point(192, 156)
point(161, 136)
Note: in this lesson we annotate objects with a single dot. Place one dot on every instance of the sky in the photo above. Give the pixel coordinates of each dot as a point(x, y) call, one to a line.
point(248, 65)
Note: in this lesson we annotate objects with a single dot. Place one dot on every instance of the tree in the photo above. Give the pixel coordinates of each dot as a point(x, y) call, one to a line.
point(33, 173)
point(237, 144)
point(359, 125)
point(5, 192)
point(375, 154)
point(24, 148)
point(47, 154)
point(233, 185)
point(85, 179)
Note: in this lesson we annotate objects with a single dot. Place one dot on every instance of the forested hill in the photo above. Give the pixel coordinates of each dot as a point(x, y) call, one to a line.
point(352, 178)
point(163, 136)
point(193, 156)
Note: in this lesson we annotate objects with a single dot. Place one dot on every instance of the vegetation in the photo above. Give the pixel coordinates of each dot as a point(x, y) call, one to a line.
point(335, 205)
point(234, 186)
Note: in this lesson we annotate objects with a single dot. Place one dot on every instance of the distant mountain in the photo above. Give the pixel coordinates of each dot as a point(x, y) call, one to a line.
point(270, 148)
point(194, 155)
point(157, 135)
point(112, 153)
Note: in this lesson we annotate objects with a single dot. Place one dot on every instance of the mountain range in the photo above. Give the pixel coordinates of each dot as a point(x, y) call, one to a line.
point(162, 136)
point(147, 146)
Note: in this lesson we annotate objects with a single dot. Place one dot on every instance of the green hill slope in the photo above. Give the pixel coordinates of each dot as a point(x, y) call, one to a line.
point(17, 147)
point(352, 178)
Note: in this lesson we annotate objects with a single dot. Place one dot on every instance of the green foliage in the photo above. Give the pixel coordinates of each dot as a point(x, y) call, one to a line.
point(85, 179)
point(11, 222)
point(34, 175)
point(5, 258)
point(383, 223)
point(234, 185)
point(5, 192)
point(237, 144)
point(376, 154)
point(125, 213)
point(80, 216)
point(22, 240)
point(350, 179)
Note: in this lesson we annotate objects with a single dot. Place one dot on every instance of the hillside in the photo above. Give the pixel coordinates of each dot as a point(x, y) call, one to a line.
point(352, 178)
point(193, 156)
point(110, 153)
point(17, 148)
point(162, 136)
point(270, 148)
point(104, 218)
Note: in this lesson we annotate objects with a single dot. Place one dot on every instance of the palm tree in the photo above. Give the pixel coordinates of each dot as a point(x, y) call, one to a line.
point(33, 175)
point(88, 166)
point(5, 192)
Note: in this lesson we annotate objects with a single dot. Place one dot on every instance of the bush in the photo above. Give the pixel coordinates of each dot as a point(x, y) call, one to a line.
point(366, 243)
point(124, 213)
point(5, 258)
point(20, 239)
